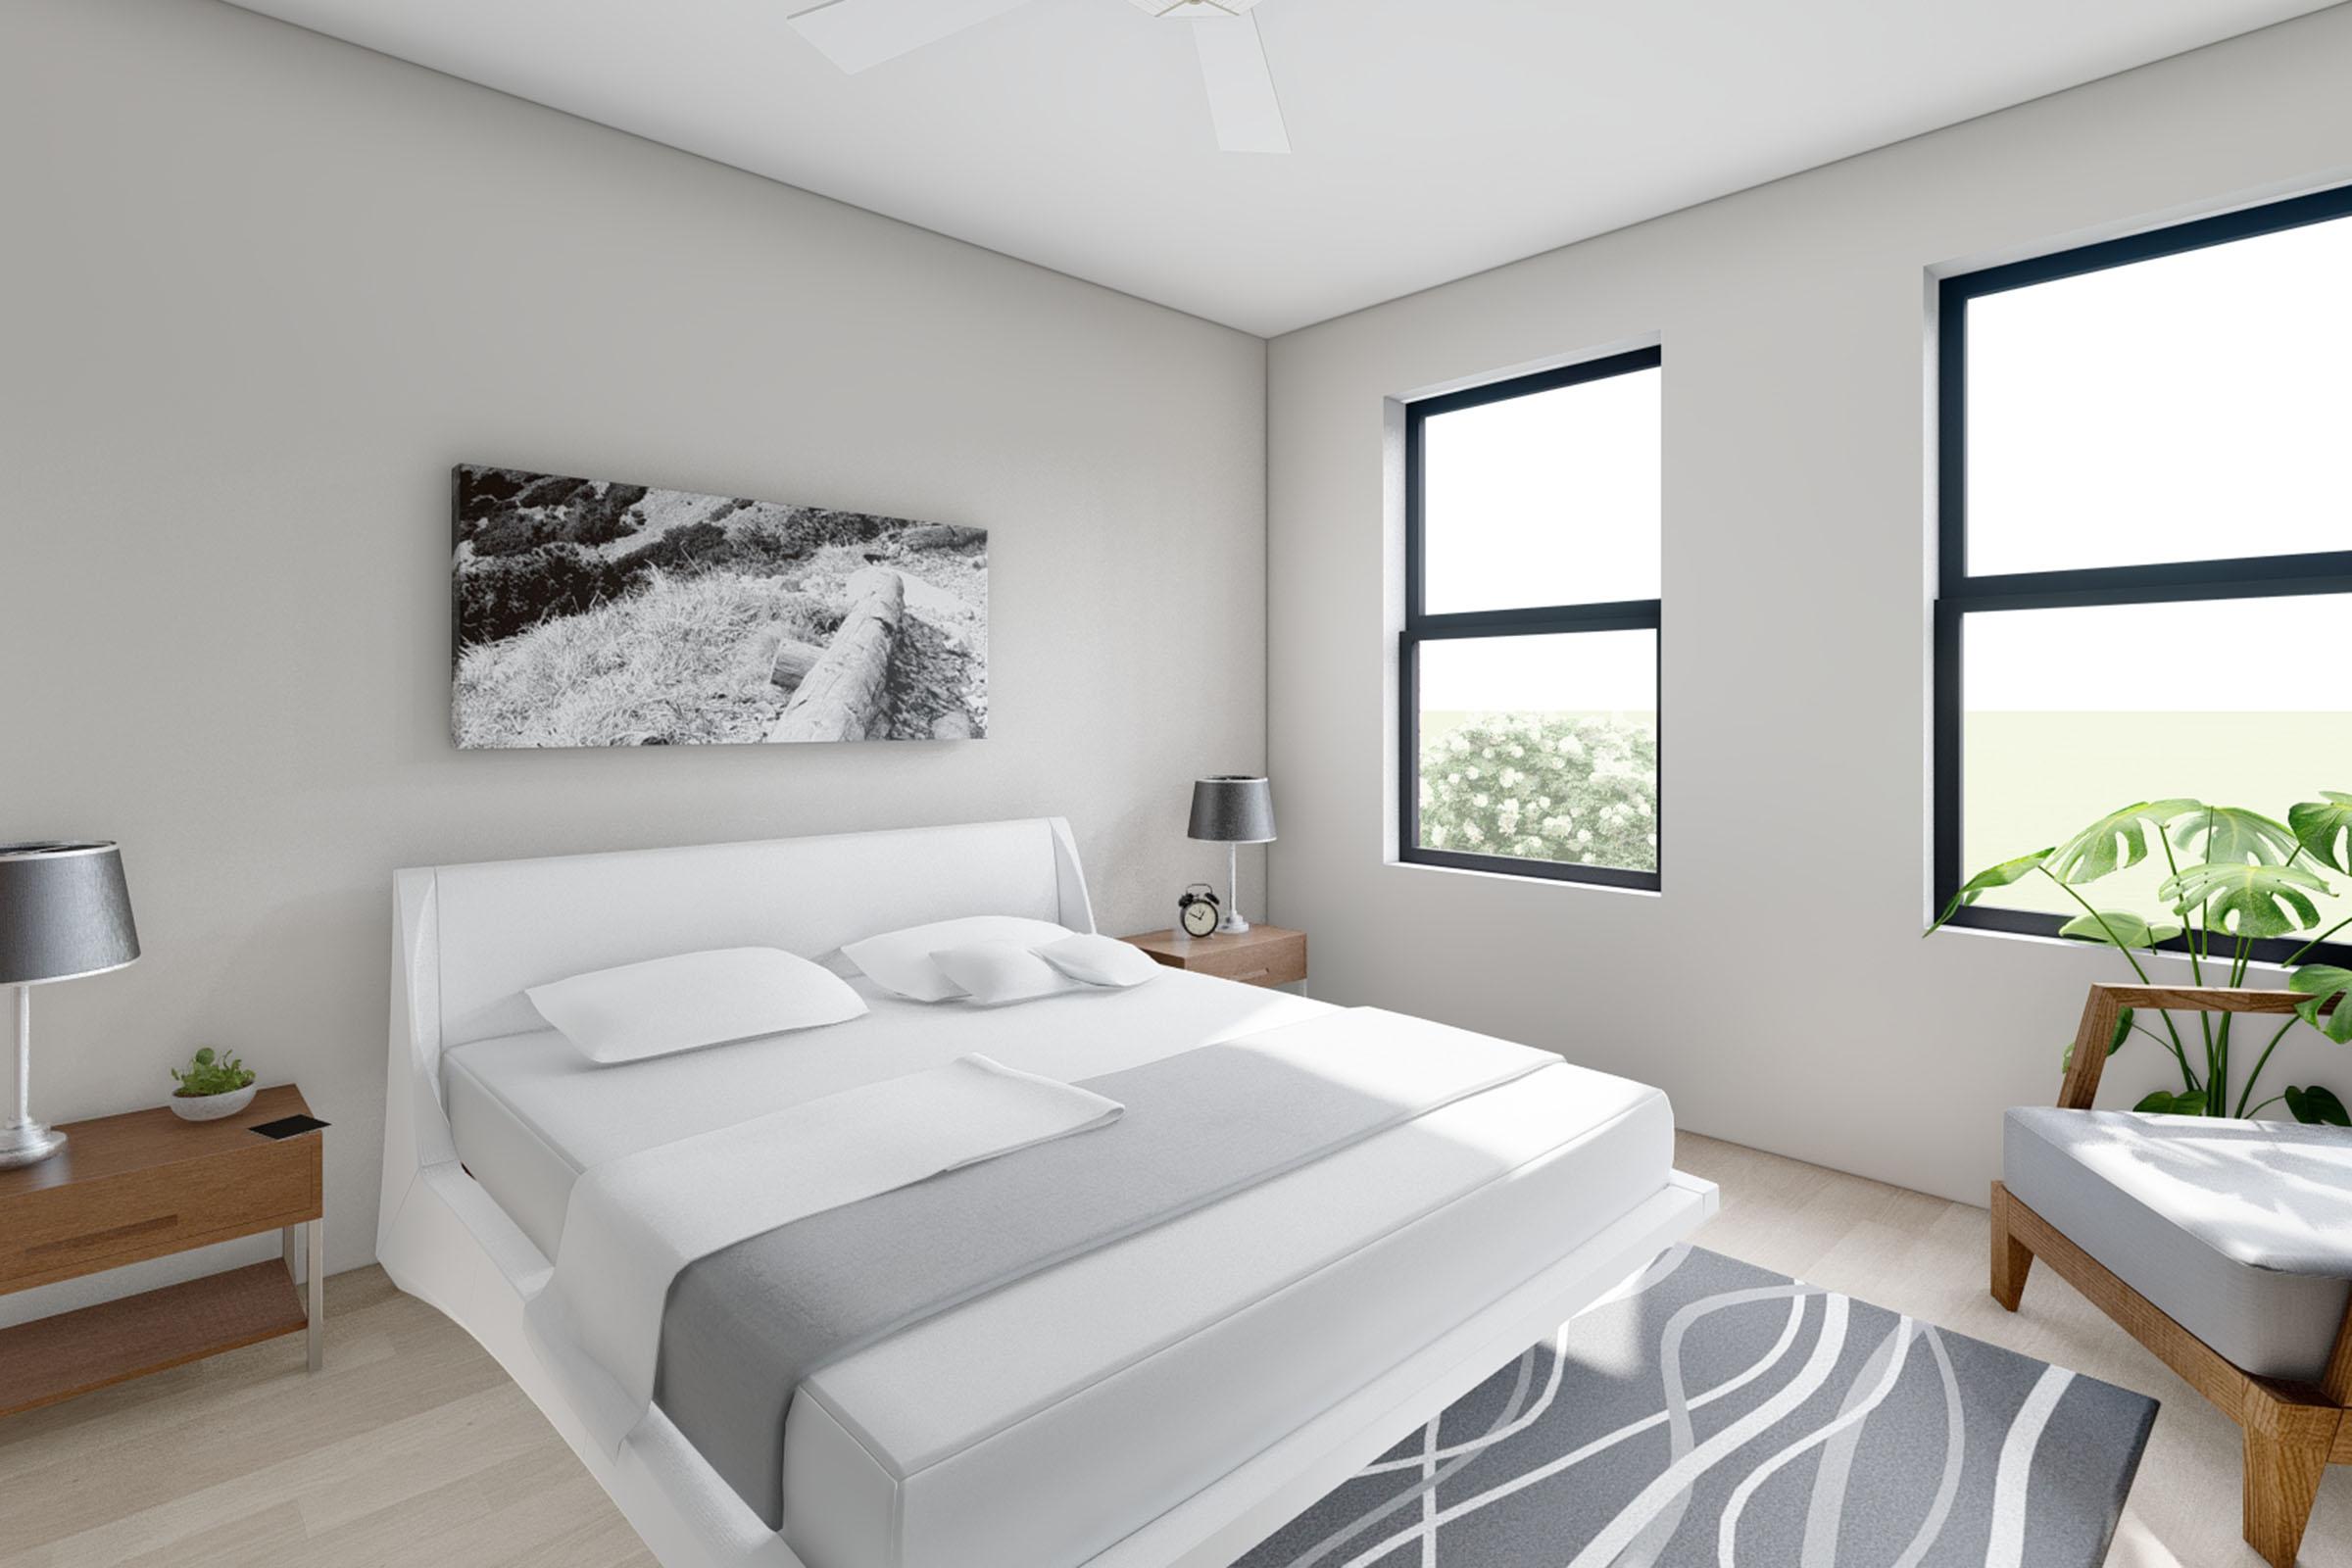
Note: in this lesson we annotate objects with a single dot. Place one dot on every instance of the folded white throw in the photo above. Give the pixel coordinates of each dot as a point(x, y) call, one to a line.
point(635, 1222)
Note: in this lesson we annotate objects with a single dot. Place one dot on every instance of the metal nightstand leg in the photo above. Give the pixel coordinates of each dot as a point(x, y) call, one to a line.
point(313, 1275)
point(314, 1336)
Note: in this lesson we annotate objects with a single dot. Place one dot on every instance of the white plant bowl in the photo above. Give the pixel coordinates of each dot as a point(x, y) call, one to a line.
point(211, 1108)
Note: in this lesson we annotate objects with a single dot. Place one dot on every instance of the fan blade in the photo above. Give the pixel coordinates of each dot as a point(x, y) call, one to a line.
point(1240, 87)
point(855, 34)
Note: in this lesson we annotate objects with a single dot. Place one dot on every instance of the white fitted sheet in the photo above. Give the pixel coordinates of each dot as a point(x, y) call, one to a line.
point(528, 1112)
point(1035, 1426)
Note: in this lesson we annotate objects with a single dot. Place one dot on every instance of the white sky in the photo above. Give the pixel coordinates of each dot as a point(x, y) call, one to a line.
point(2183, 409)
point(1613, 671)
point(1545, 500)
point(2223, 656)
point(2230, 656)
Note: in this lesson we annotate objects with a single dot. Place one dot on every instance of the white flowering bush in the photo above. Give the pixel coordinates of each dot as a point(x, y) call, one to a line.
point(1543, 787)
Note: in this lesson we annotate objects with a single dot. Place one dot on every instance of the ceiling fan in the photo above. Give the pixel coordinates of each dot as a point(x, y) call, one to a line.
point(855, 34)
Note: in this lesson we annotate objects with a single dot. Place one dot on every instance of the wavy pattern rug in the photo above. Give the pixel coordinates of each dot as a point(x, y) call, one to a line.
point(1712, 1413)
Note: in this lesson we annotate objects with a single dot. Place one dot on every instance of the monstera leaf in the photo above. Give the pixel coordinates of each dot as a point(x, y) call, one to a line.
point(2247, 901)
point(2115, 1042)
point(2317, 1107)
point(2322, 825)
point(2117, 928)
point(2188, 1102)
point(2319, 982)
point(2231, 833)
point(1983, 882)
point(2117, 840)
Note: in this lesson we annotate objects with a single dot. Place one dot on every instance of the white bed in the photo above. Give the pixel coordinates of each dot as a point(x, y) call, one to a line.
point(1162, 1399)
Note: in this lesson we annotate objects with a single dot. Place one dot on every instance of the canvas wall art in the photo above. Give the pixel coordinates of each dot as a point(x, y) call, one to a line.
point(590, 613)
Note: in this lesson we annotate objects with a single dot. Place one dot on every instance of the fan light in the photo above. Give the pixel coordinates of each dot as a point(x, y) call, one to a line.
point(1193, 8)
point(860, 34)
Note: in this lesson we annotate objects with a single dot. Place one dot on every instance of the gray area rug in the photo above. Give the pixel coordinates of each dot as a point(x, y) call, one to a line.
point(1709, 1412)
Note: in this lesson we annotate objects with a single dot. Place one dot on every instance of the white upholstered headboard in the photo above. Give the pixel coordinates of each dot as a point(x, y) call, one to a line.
point(469, 939)
point(502, 925)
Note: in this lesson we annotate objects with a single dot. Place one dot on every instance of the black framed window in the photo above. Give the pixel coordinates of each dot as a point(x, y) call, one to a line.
point(1527, 662)
point(2145, 566)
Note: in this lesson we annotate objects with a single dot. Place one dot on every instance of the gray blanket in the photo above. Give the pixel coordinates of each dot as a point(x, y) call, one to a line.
point(745, 1326)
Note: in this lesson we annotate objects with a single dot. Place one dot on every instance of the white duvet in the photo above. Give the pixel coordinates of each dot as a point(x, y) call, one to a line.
point(634, 1224)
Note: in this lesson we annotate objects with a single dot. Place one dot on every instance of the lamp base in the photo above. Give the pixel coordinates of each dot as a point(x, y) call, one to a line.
point(28, 1143)
point(1233, 925)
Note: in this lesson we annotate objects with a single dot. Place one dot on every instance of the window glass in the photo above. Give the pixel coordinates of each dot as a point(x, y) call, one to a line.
point(1552, 498)
point(2189, 408)
point(1541, 747)
point(2072, 713)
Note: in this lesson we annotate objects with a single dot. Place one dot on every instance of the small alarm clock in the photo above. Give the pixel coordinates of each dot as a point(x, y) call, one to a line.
point(1197, 911)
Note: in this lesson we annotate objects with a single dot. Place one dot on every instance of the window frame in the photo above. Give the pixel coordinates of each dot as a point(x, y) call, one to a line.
point(1959, 594)
point(1420, 627)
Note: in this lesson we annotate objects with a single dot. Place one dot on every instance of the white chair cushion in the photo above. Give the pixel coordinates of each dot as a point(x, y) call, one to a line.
point(2241, 1231)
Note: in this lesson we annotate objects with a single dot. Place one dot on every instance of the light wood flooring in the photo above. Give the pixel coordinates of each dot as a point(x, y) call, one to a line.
point(413, 1451)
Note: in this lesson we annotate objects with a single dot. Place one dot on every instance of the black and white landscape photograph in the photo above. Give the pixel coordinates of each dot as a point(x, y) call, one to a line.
point(591, 612)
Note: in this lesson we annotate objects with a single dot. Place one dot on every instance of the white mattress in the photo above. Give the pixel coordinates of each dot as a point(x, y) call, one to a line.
point(528, 1112)
point(1034, 1427)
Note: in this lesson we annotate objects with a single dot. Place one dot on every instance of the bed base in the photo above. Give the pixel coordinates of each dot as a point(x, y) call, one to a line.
point(442, 1239)
point(1227, 1518)
point(453, 1247)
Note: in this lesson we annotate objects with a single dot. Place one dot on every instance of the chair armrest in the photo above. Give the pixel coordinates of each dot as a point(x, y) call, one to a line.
point(2107, 1003)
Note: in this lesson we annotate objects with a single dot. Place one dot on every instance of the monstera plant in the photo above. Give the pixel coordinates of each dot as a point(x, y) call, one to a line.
point(2236, 877)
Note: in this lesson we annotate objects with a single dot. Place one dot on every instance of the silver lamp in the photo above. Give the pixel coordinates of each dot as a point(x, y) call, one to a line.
point(1233, 810)
point(64, 912)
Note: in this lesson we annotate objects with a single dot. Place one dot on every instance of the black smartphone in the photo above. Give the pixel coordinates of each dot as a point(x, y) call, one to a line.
point(288, 1126)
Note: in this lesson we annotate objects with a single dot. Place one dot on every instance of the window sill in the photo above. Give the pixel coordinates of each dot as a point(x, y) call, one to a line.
point(1519, 878)
point(2124, 976)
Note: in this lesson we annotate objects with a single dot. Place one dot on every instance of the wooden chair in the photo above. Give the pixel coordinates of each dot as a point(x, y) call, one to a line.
point(2294, 1430)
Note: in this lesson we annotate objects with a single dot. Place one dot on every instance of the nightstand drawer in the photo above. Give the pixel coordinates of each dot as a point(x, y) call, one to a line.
point(1264, 963)
point(1262, 955)
point(62, 1231)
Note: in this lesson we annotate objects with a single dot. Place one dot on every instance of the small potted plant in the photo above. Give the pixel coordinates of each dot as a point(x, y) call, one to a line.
point(212, 1087)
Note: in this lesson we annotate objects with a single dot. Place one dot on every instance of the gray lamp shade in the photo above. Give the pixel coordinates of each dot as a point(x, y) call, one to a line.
point(65, 910)
point(1233, 808)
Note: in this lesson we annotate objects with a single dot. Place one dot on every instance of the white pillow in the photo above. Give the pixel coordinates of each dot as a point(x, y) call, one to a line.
point(696, 998)
point(1101, 961)
point(901, 961)
point(991, 972)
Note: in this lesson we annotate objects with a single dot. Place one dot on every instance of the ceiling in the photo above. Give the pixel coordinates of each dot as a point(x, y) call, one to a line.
point(1432, 138)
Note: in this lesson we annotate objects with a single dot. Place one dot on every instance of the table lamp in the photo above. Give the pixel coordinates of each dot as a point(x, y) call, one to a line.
point(64, 912)
point(1233, 810)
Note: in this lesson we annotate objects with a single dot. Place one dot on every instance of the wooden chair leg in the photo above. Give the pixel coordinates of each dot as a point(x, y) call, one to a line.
point(2287, 1455)
point(2010, 1259)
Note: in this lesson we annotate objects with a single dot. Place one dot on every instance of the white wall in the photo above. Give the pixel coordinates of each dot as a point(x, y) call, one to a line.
point(1778, 988)
point(261, 289)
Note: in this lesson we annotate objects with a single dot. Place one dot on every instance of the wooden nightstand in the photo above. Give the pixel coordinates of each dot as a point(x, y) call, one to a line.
point(1262, 955)
point(129, 1188)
